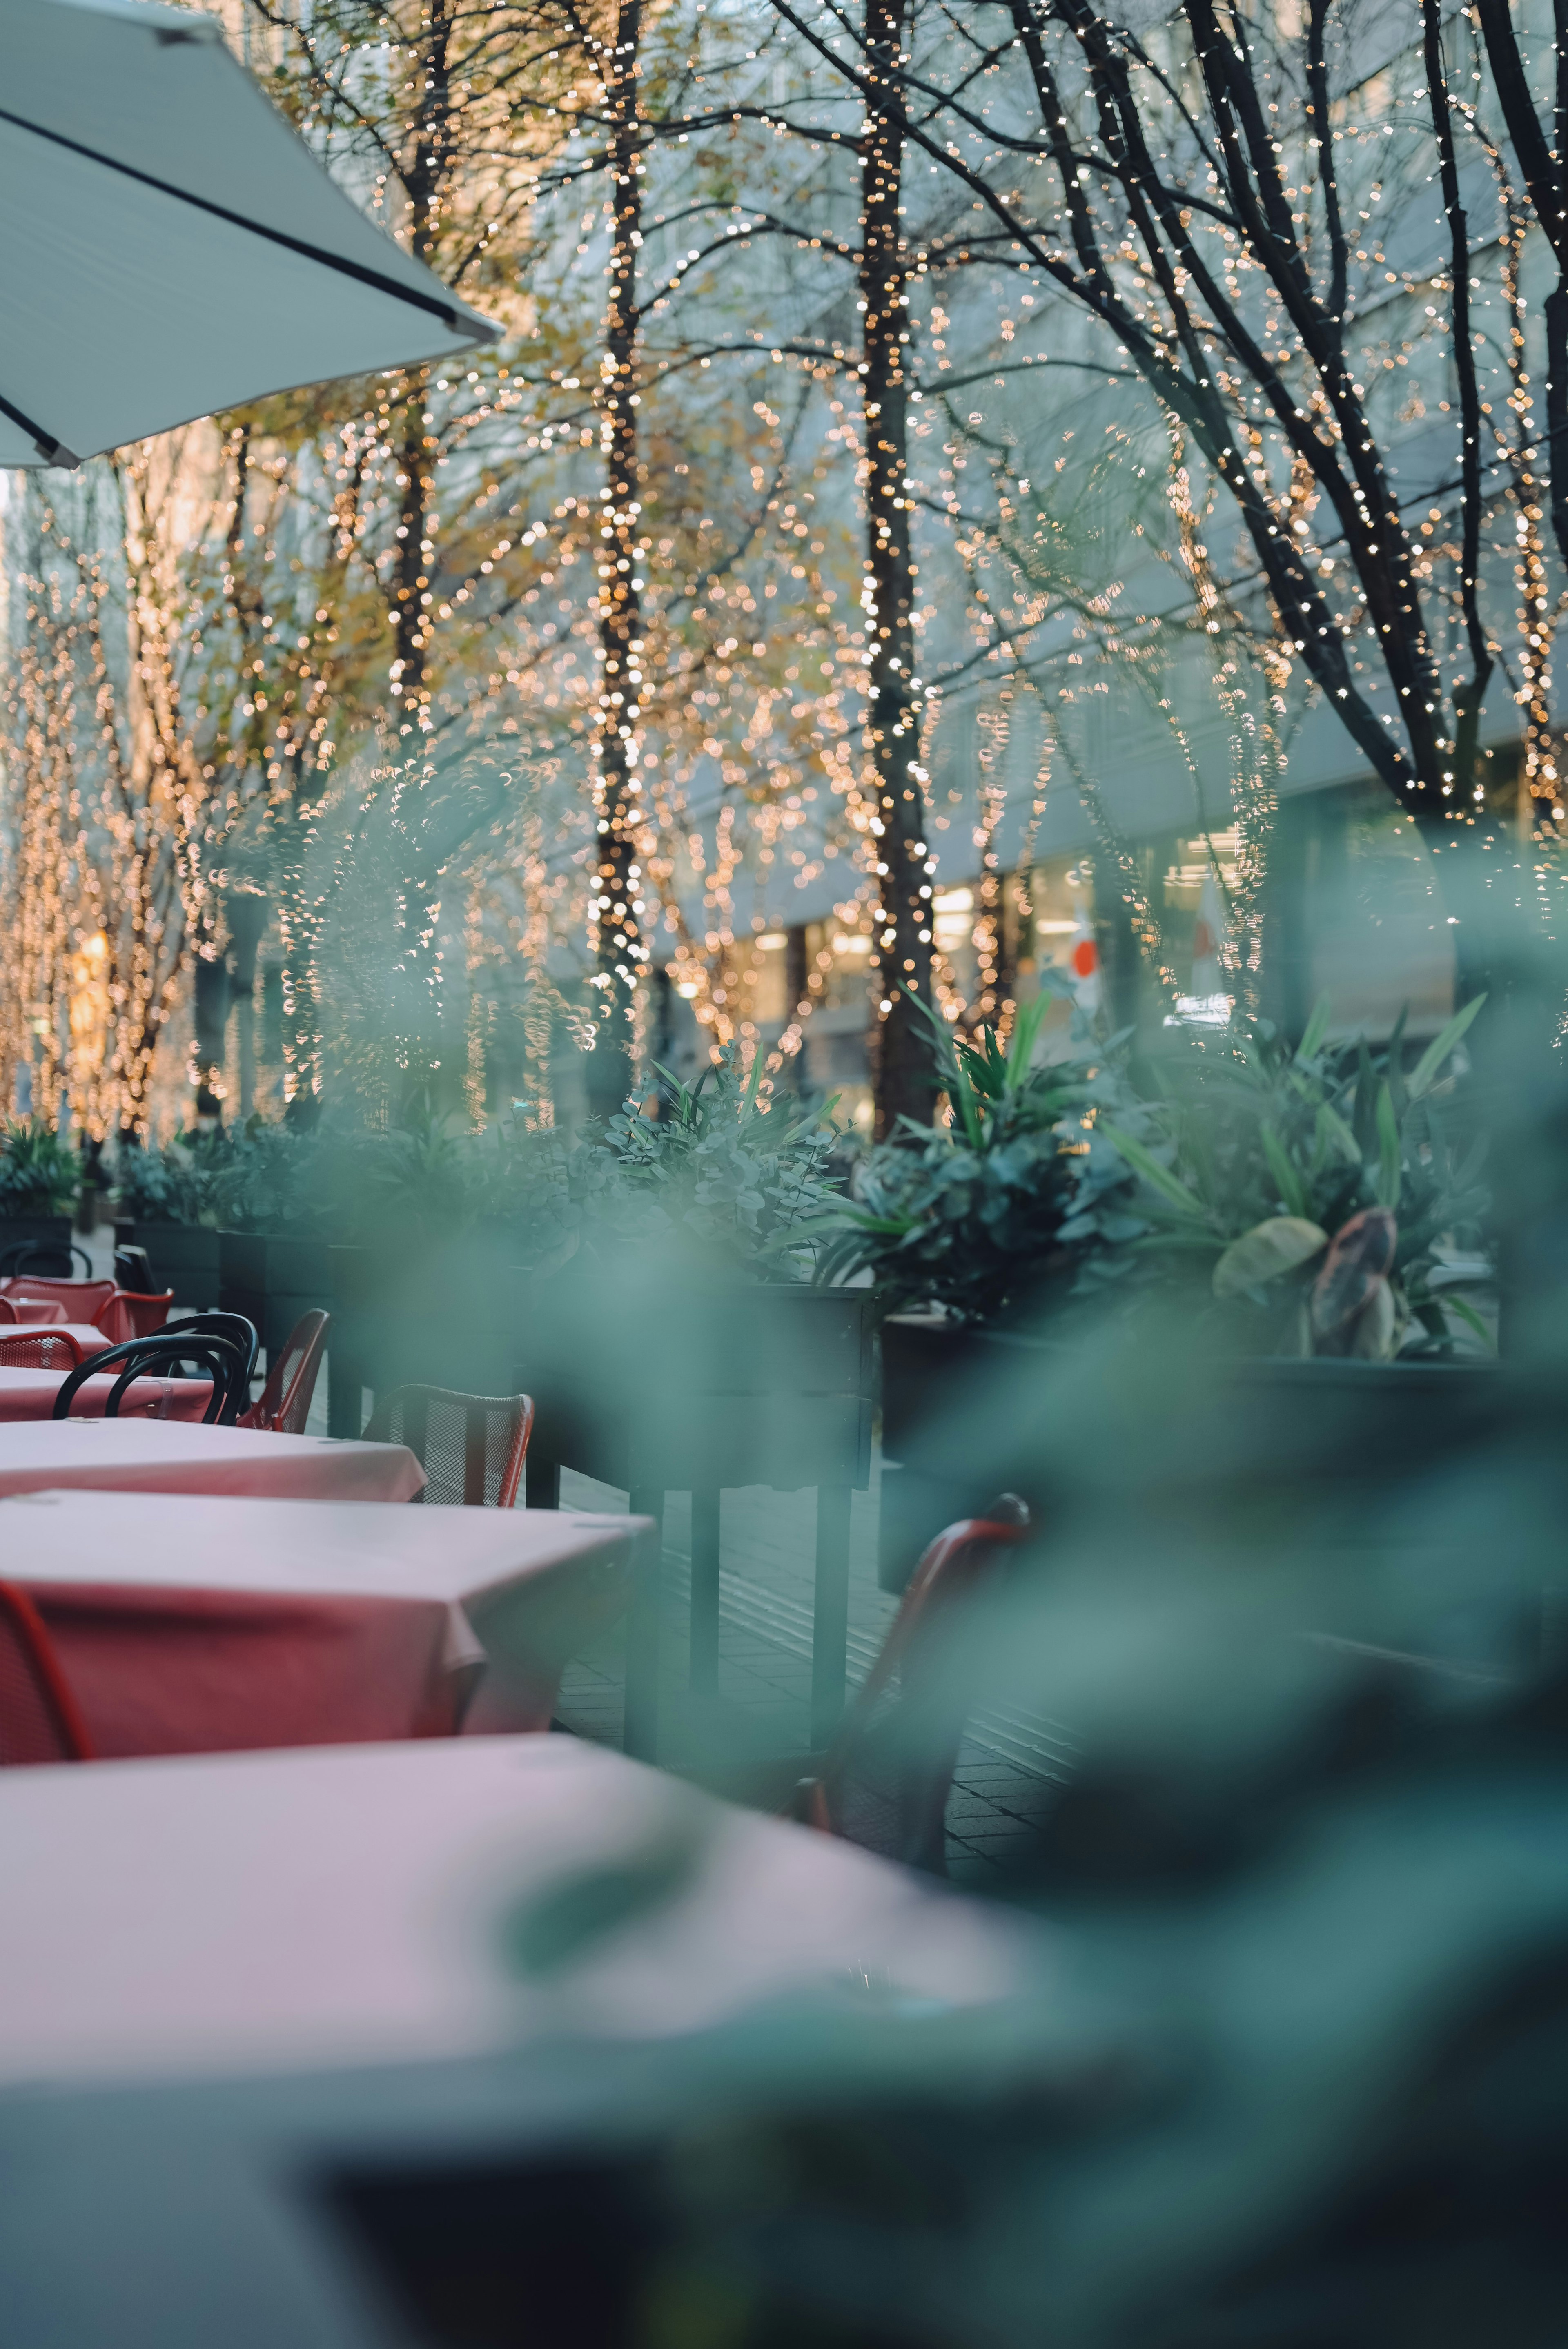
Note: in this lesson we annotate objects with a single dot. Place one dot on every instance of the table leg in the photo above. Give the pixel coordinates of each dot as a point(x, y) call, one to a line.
point(705, 1543)
point(540, 1482)
point(640, 1735)
point(830, 1621)
point(344, 1391)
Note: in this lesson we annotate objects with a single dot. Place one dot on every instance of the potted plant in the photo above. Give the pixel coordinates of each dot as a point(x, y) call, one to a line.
point(429, 1287)
point(699, 1222)
point(39, 1175)
point(675, 1340)
point(964, 1231)
point(166, 1202)
point(273, 1260)
point(1312, 1201)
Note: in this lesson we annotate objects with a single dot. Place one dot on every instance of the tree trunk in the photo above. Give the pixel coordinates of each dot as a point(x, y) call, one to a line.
point(903, 1073)
point(615, 929)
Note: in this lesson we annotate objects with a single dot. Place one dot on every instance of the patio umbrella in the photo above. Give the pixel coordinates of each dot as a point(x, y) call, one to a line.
point(170, 246)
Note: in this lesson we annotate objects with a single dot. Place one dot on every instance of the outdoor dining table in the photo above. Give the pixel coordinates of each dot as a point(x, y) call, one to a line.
point(30, 1395)
point(265, 1913)
point(188, 1623)
point(152, 1455)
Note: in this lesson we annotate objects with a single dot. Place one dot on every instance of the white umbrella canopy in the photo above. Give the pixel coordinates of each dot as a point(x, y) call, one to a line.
point(170, 248)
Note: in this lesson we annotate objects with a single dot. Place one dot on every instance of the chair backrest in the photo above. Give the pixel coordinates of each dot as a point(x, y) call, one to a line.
point(84, 1300)
point(39, 1718)
point(49, 1256)
point(284, 1406)
point(128, 1314)
point(471, 1447)
point(38, 1350)
point(886, 1779)
point(133, 1270)
point(7, 1312)
point(239, 1333)
point(168, 1354)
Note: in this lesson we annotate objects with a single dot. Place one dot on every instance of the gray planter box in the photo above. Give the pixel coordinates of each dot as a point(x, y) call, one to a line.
point(446, 1316)
point(271, 1282)
point(746, 1384)
point(183, 1257)
point(966, 1414)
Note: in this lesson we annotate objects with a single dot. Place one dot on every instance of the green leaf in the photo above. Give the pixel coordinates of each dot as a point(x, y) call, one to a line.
point(1332, 1127)
point(1144, 1162)
point(752, 1082)
point(1316, 1030)
point(1388, 1150)
point(1287, 1181)
point(1468, 1314)
point(1278, 1246)
point(553, 1929)
point(1026, 1034)
point(1425, 1072)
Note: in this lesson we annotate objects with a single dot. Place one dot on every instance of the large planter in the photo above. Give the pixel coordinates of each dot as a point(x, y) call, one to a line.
point(44, 1233)
point(271, 1282)
point(1259, 1444)
point(445, 1315)
point(183, 1257)
point(701, 1391)
point(941, 1384)
point(752, 1384)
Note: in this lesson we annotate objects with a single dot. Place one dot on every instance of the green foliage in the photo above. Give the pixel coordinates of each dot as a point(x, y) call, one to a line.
point(39, 1174)
point(177, 1183)
point(718, 1175)
point(1248, 1153)
point(973, 1216)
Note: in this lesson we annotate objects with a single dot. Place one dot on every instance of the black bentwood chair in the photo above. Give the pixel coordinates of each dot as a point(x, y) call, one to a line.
point(235, 1327)
point(167, 1355)
point(48, 1259)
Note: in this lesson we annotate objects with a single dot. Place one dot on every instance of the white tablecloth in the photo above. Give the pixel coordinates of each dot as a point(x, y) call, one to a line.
point(261, 1912)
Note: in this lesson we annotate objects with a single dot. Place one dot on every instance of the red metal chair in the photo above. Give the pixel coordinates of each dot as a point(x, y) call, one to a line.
point(471, 1447)
point(284, 1403)
point(129, 1314)
point(7, 1312)
point(84, 1300)
point(39, 1717)
point(39, 1349)
point(886, 1779)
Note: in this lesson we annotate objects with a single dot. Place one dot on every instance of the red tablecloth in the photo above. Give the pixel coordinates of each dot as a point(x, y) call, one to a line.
point(187, 1624)
point(30, 1395)
point(263, 1913)
point(151, 1456)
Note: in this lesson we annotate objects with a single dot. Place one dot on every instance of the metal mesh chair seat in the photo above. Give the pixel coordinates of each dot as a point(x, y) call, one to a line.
point(39, 1719)
point(283, 1405)
point(471, 1447)
point(38, 1350)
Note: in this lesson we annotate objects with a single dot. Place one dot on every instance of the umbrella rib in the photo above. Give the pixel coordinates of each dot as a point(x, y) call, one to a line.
point(55, 452)
point(458, 323)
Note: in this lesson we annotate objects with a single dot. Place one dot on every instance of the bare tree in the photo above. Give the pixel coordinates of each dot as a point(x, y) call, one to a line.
point(1207, 195)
